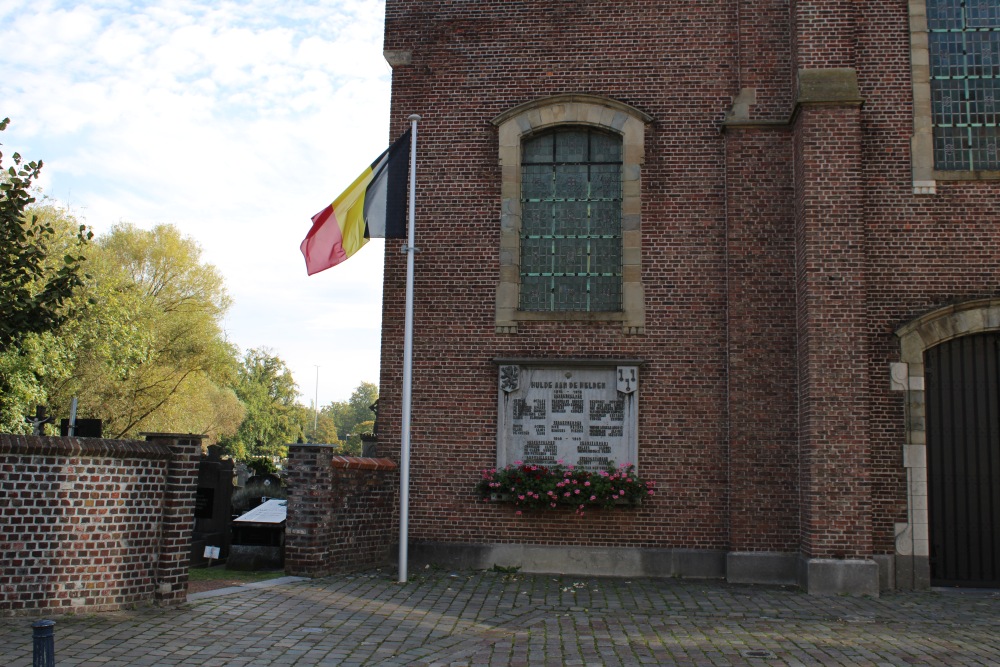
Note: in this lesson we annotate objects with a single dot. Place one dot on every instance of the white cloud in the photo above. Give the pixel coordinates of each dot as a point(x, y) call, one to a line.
point(235, 121)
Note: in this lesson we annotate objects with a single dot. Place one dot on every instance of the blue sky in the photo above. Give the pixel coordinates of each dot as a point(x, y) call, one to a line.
point(234, 121)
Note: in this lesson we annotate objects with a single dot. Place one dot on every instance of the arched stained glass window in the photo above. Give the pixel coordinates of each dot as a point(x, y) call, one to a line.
point(571, 221)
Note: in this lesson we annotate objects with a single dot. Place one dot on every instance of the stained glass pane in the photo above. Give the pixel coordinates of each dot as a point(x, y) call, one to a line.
point(605, 218)
point(950, 145)
point(948, 98)
point(982, 13)
point(536, 218)
point(606, 294)
point(571, 294)
point(571, 181)
point(572, 256)
point(536, 293)
point(536, 253)
point(605, 148)
point(571, 146)
point(605, 181)
point(538, 149)
point(605, 255)
point(944, 14)
point(537, 182)
point(570, 218)
point(947, 53)
point(985, 148)
point(984, 53)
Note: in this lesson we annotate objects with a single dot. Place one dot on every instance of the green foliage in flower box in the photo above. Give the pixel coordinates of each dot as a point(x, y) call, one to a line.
point(529, 486)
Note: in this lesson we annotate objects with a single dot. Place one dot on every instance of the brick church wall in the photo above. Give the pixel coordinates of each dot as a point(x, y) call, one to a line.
point(772, 233)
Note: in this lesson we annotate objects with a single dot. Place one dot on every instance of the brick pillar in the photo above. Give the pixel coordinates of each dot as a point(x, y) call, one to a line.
point(836, 511)
point(309, 522)
point(178, 514)
point(763, 445)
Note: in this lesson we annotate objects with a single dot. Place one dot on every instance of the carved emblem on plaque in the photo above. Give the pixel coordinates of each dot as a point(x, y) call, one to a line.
point(628, 379)
point(510, 377)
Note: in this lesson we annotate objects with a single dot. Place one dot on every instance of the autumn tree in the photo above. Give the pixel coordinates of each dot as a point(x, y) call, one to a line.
point(150, 354)
point(273, 418)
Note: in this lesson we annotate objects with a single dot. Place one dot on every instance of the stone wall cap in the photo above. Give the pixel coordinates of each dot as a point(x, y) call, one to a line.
point(39, 445)
point(362, 463)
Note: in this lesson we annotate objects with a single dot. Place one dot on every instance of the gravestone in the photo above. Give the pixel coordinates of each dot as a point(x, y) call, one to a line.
point(213, 506)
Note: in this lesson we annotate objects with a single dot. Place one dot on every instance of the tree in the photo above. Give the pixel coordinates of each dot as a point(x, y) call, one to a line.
point(273, 418)
point(354, 416)
point(149, 349)
point(41, 257)
point(320, 428)
point(34, 284)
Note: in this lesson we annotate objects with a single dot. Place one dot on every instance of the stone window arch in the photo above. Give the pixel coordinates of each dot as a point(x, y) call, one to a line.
point(915, 337)
point(533, 119)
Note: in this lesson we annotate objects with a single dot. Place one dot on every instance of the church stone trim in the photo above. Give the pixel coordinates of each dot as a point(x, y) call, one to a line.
point(923, 333)
point(583, 110)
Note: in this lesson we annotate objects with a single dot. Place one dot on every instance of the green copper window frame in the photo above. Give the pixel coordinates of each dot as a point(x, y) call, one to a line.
point(571, 232)
point(964, 54)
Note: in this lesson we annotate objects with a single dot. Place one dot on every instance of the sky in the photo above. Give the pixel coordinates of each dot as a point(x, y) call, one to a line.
point(233, 121)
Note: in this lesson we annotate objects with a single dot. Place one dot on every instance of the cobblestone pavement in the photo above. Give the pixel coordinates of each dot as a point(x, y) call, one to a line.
point(494, 618)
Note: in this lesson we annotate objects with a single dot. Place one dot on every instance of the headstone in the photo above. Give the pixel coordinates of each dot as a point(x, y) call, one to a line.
point(85, 428)
point(584, 416)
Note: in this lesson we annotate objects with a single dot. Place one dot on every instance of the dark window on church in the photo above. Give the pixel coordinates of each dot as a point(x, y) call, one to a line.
point(571, 221)
point(965, 83)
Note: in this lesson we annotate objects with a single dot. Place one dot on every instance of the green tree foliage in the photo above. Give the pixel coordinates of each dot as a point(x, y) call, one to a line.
point(354, 416)
point(149, 348)
point(41, 258)
point(320, 428)
point(34, 284)
point(269, 395)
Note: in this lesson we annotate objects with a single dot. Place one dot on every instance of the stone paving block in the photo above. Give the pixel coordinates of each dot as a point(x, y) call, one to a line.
point(488, 618)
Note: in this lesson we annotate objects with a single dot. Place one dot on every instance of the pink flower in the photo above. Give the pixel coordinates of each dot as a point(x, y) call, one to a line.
point(552, 504)
point(586, 483)
point(566, 494)
point(517, 513)
point(520, 497)
point(651, 492)
point(593, 497)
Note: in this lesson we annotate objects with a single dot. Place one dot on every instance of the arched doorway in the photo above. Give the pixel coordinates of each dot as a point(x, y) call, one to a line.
point(962, 379)
point(949, 372)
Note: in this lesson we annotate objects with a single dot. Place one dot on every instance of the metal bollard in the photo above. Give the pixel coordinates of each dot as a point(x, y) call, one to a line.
point(44, 635)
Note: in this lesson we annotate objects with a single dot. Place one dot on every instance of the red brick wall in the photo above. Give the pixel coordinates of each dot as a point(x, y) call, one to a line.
point(763, 447)
point(342, 512)
point(733, 314)
point(92, 524)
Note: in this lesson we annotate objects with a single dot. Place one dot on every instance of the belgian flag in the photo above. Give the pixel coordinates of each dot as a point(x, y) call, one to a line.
point(374, 206)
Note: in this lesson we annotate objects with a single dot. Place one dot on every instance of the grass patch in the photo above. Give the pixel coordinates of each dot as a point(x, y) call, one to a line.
point(219, 572)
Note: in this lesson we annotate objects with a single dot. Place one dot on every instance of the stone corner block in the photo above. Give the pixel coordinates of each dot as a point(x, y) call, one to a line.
point(831, 576)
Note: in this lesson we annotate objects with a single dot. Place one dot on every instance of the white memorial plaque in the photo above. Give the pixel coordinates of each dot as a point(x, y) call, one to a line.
point(581, 416)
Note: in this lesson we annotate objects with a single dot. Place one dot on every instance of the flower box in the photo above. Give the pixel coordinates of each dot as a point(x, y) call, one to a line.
point(533, 487)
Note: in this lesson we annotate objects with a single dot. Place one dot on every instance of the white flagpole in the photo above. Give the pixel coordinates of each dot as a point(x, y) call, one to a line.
point(404, 456)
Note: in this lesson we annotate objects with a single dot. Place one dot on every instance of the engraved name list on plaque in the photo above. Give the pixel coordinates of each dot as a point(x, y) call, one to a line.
point(582, 416)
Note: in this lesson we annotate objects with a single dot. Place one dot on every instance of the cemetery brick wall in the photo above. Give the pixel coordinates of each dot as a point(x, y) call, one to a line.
point(731, 310)
point(90, 524)
point(342, 512)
